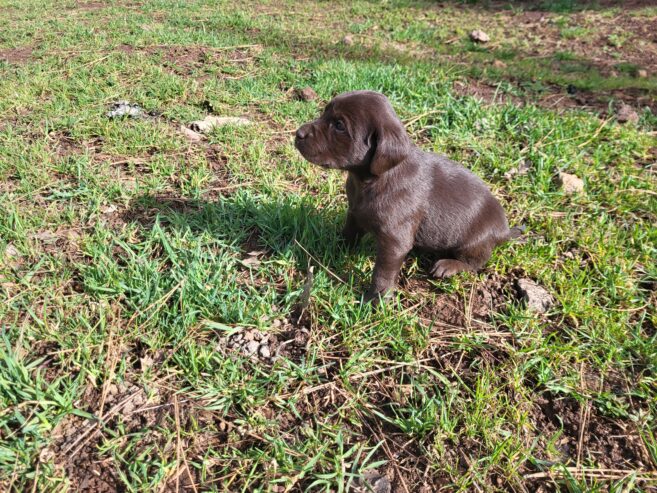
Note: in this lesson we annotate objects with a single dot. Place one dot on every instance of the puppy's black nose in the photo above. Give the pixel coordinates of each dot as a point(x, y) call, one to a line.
point(303, 131)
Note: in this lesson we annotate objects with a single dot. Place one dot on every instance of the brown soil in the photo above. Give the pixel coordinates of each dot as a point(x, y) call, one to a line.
point(15, 56)
point(128, 408)
point(487, 92)
point(195, 60)
point(90, 6)
point(611, 443)
point(556, 98)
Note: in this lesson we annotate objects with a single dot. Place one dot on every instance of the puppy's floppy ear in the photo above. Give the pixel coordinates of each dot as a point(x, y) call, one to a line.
point(390, 143)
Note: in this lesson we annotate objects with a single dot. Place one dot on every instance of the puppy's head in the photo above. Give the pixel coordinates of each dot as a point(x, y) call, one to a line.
point(357, 130)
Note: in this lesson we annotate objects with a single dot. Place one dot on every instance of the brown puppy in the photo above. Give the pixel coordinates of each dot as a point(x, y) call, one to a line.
point(402, 195)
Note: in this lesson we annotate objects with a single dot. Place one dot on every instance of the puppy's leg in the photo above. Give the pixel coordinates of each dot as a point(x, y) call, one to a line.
point(468, 260)
point(352, 232)
point(390, 256)
point(447, 267)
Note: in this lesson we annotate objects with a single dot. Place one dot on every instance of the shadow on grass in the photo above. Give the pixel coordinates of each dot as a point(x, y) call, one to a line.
point(283, 228)
point(536, 74)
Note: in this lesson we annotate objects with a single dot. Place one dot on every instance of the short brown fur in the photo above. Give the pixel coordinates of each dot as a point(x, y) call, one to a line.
point(402, 195)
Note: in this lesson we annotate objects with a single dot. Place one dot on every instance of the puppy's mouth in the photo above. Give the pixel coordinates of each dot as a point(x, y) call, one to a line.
point(312, 157)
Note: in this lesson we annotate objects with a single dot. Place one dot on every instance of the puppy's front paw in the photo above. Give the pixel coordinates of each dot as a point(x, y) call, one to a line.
point(446, 267)
point(376, 296)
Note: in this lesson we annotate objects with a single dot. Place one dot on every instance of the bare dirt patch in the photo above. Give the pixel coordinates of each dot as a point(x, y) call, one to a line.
point(198, 60)
point(90, 6)
point(487, 92)
point(16, 56)
point(63, 144)
point(454, 311)
point(558, 98)
point(127, 409)
point(608, 443)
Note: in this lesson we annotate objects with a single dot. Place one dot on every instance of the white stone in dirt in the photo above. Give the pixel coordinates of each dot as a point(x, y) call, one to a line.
point(11, 251)
point(305, 94)
point(373, 481)
point(210, 122)
point(479, 36)
point(522, 169)
point(537, 298)
point(125, 109)
point(108, 209)
point(190, 134)
point(252, 347)
point(626, 114)
point(264, 351)
point(570, 183)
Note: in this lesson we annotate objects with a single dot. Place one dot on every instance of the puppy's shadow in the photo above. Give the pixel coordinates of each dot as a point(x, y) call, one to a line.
point(290, 228)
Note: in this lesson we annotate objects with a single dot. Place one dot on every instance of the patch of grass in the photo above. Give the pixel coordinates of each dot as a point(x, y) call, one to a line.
point(131, 260)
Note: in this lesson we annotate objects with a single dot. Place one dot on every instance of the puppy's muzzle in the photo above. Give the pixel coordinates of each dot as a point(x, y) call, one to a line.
point(303, 132)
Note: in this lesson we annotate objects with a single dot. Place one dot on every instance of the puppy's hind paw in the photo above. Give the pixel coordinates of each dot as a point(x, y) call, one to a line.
point(446, 267)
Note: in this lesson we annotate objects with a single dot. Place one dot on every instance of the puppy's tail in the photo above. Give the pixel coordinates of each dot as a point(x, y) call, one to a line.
point(517, 231)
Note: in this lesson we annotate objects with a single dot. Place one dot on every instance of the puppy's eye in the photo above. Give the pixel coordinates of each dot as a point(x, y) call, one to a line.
point(339, 126)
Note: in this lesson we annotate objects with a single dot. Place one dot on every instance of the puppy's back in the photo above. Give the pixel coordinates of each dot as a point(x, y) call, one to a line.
point(460, 209)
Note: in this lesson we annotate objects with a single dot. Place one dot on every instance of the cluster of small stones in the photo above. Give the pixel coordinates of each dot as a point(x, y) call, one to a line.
point(253, 343)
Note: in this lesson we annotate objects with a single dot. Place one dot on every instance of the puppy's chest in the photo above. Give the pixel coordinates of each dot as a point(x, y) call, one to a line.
point(372, 204)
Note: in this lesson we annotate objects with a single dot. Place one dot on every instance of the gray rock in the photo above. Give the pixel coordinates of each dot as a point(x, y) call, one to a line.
point(252, 347)
point(305, 94)
point(571, 183)
point(11, 251)
point(264, 351)
point(210, 122)
point(522, 169)
point(479, 36)
point(190, 134)
point(373, 482)
point(626, 114)
point(125, 109)
point(537, 299)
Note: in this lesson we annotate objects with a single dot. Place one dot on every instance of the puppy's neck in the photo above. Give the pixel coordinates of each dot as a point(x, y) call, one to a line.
point(362, 174)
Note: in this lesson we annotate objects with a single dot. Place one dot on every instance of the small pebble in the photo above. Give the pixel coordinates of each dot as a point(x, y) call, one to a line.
point(124, 108)
point(537, 298)
point(190, 134)
point(305, 94)
point(252, 347)
point(210, 122)
point(264, 351)
point(571, 183)
point(627, 114)
point(479, 36)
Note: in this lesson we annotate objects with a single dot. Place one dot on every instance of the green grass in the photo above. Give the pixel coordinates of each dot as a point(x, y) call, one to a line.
point(123, 247)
